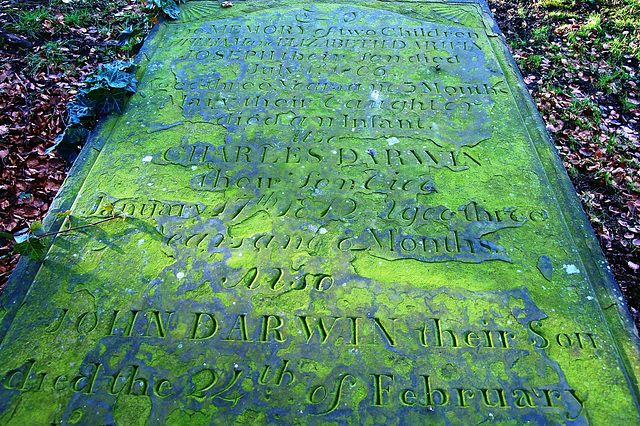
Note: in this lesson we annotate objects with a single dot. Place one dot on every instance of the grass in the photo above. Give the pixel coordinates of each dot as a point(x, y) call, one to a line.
point(632, 186)
point(616, 24)
point(535, 60)
point(627, 105)
point(79, 17)
point(610, 81)
point(29, 22)
point(612, 143)
point(541, 34)
point(627, 16)
point(54, 51)
point(586, 111)
point(626, 44)
point(606, 177)
point(559, 4)
point(517, 43)
point(593, 25)
point(562, 15)
point(586, 54)
point(574, 145)
point(57, 29)
point(33, 63)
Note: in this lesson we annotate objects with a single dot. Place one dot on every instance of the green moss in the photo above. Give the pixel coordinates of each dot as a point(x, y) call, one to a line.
point(418, 247)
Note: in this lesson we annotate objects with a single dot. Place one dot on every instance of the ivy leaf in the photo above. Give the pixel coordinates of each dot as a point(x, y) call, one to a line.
point(79, 112)
point(132, 85)
point(108, 101)
point(32, 248)
point(169, 7)
point(69, 143)
point(118, 74)
point(127, 34)
point(105, 91)
point(122, 80)
point(172, 10)
point(37, 228)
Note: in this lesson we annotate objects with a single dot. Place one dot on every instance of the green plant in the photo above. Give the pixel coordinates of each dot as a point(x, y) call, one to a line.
point(587, 198)
point(560, 4)
point(168, 7)
point(576, 43)
point(628, 15)
point(593, 24)
point(562, 16)
point(573, 172)
point(34, 62)
point(54, 51)
point(612, 142)
point(607, 177)
point(535, 60)
point(585, 112)
point(30, 21)
point(516, 43)
point(626, 44)
point(29, 242)
point(78, 17)
point(574, 144)
point(627, 105)
point(541, 34)
point(633, 186)
point(610, 82)
point(131, 38)
point(105, 91)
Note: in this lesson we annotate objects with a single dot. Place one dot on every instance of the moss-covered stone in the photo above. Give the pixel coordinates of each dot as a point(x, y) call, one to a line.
point(338, 212)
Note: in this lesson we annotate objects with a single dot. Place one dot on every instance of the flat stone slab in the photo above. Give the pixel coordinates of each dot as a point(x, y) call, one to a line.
point(342, 212)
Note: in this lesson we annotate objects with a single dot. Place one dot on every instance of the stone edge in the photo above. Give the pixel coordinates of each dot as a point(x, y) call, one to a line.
point(15, 291)
point(619, 321)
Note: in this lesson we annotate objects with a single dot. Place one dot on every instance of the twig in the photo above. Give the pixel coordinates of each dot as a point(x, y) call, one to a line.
point(77, 227)
point(15, 39)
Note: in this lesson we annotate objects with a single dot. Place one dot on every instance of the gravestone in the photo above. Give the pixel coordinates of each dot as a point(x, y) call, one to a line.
point(343, 212)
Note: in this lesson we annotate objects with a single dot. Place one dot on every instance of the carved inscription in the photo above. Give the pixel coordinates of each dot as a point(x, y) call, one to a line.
point(313, 76)
point(225, 387)
point(199, 153)
point(226, 384)
point(325, 217)
point(427, 332)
